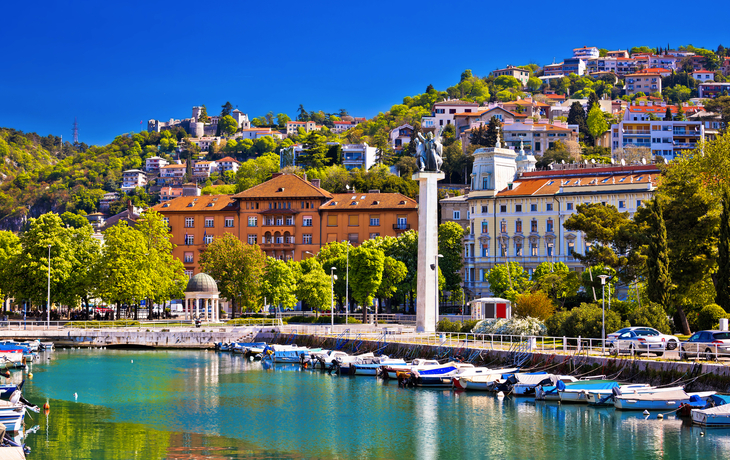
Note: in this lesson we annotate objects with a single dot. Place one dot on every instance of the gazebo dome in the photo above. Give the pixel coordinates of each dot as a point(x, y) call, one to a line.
point(202, 282)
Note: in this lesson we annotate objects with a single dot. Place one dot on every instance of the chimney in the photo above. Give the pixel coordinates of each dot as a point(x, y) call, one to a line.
point(304, 177)
point(316, 182)
point(130, 208)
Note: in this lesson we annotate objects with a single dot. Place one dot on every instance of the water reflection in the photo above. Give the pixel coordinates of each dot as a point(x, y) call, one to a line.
point(189, 404)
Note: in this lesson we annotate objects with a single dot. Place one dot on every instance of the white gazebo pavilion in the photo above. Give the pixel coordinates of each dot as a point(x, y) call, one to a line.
point(201, 298)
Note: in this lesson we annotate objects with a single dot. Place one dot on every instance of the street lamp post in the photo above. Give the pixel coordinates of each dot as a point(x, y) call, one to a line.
point(347, 286)
point(436, 269)
point(333, 277)
point(603, 312)
point(48, 305)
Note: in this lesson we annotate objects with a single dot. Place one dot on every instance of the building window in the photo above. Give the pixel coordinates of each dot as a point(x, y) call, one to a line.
point(503, 227)
point(229, 222)
point(503, 250)
point(209, 222)
point(375, 220)
point(571, 249)
point(207, 239)
point(485, 183)
point(485, 251)
point(638, 204)
point(166, 220)
point(252, 239)
point(307, 238)
point(548, 206)
point(353, 238)
point(569, 206)
point(332, 221)
point(189, 239)
point(189, 273)
point(457, 215)
point(533, 208)
point(188, 257)
point(549, 250)
point(518, 249)
point(485, 209)
point(621, 204)
point(189, 222)
point(518, 226)
point(503, 208)
point(533, 226)
point(518, 208)
point(485, 227)
point(253, 221)
point(533, 249)
point(401, 223)
point(353, 221)
point(289, 221)
point(374, 235)
point(549, 225)
point(307, 222)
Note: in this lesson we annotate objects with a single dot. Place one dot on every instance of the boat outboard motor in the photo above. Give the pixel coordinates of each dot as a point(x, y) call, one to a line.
point(616, 391)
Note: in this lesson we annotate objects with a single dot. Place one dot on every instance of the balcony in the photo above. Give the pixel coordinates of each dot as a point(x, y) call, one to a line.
point(280, 246)
point(401, 227)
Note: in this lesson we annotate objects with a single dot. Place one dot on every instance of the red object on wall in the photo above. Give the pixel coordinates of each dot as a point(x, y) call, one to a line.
point(501, 310)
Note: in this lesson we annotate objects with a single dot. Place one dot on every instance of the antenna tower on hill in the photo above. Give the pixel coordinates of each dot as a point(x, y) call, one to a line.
point(76, 131)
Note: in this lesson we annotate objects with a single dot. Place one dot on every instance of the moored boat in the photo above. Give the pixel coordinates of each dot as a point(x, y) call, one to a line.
point(663, 401)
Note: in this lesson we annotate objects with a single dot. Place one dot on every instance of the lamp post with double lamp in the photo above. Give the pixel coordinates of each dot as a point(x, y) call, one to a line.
point(48, 306)
point(347, 285)
point(603, 312)
point(333, 277)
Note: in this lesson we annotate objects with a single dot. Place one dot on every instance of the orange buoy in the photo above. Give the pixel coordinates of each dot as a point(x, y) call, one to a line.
point(46, 406)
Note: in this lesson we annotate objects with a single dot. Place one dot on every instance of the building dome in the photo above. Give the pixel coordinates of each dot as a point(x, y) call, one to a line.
point(202, 282)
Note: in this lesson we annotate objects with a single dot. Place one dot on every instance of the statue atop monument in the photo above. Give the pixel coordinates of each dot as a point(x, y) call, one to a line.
point(429, 150)
point(286, 157)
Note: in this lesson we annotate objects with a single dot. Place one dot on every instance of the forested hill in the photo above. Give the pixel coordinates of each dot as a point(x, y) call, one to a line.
point(38, 174)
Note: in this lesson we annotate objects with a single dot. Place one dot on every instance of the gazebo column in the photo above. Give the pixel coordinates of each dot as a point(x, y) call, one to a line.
point(207, 309)
point(197, 308)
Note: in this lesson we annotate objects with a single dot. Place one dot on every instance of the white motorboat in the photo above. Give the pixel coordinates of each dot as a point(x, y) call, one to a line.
point(605, 397)
point(441, 376)
point(662, 401)
point(343, 363)
point(392, 370)
point(527, 383)
point(326, 359)
point(718, 416)
point(12, 415)
point(372, 367)
point(481, 381)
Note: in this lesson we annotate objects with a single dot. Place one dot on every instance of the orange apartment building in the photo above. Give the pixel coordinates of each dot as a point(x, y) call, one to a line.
point(287, 216)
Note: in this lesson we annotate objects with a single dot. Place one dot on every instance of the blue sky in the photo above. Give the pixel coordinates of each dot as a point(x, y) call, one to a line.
point(112, 64)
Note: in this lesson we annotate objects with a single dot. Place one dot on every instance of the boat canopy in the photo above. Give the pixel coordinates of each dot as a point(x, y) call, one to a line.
point(724, 410)
point(661, 396)
point(720, 400)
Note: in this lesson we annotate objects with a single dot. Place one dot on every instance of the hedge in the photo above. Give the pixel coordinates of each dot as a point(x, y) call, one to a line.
point(99, 324)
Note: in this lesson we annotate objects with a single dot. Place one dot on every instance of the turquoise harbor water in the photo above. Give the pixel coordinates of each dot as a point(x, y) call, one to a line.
point(194, 404)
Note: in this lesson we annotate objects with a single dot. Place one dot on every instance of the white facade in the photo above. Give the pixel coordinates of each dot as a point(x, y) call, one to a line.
point(358, 156)
point(703, 76)
point(228, 164)
point(586, 52)
point(153, 164)
point(442, 113)
point(132, 179)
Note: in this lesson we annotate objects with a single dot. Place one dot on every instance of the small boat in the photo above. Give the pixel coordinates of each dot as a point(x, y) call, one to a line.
point(12, 358)
point(343, 363)
point(572, 392)
point(527, 383)
point(289, 355)
point(326, 360)
point(480, 382)
point(716, 415)
point(12, 414)
point(392, 370)
point(373, 367)
point(663, 401)
point(605, 397)
point(439, 377)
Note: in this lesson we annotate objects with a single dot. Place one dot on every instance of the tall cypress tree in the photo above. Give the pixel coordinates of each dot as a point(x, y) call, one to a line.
point(659, 282)
point(722, 287)
point(490, 138)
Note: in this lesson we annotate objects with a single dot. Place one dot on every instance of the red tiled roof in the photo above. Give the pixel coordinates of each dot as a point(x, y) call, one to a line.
point(200, 203)
point(344, 202)
point(228, 160)
point(284, 186)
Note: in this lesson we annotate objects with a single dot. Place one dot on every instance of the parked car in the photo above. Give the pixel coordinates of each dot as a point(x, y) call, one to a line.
point(641, 340)
point(707, 345)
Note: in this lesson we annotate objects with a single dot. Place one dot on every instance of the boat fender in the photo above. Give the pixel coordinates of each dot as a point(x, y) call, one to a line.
point(660, 416)
point(30, 375)
point(646, 412)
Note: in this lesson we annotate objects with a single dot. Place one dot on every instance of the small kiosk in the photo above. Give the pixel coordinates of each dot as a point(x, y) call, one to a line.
point(490, 308)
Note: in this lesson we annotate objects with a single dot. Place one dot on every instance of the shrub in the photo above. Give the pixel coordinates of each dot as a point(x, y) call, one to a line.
point(445, 325)
point(469, 325)
point(534, 305)
point(513, 326)
point(583, 321)
point(709, 316)
point(652, 315)
point(248, 322)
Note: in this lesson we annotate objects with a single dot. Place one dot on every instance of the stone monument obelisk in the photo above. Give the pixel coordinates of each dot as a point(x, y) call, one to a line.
point(429, 162)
